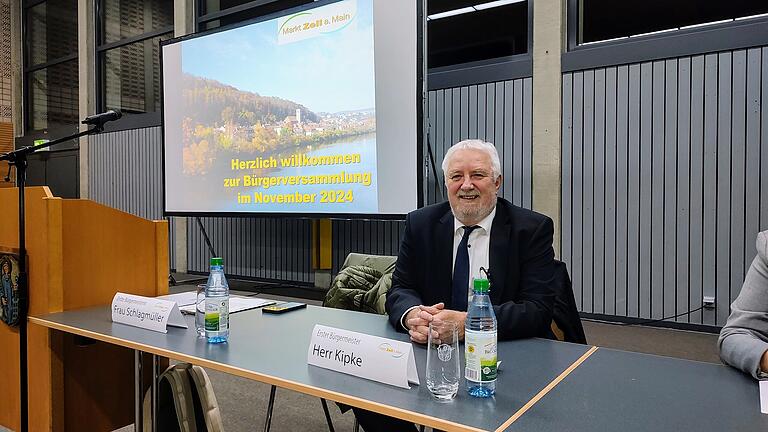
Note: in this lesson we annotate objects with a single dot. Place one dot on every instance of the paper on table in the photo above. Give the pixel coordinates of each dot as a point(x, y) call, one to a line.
point(182, 298)
point(236, 304)
point(764, 397)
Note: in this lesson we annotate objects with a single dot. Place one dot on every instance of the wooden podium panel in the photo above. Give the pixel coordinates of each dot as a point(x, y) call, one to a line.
point(79, 254)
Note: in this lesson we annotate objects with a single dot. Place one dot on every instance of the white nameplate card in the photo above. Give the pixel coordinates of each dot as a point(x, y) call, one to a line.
point(763, 397)
point(150, 313)
point(376, 358)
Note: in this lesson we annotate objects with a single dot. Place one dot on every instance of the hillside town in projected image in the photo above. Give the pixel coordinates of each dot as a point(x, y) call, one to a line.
point(280, 115)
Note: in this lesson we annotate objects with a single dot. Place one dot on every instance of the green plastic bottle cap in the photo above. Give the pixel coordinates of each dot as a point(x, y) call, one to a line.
point(481, 285)
point(217, 261)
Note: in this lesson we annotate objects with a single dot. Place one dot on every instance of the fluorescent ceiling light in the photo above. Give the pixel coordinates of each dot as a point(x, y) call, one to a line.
point(653, 33)
point(752, 16)
point(705, 24)
point(494, 4)
point(469, 9)
point(605, 40)
point(451, 13)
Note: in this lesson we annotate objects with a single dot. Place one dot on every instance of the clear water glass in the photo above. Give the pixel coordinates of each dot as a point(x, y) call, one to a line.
point(200, 310)
point(443, 360)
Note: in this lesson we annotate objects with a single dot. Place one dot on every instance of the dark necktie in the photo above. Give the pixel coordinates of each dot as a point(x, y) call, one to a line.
point(460, 290)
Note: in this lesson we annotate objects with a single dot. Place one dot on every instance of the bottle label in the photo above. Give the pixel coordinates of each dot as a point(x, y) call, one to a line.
point(217, 314)
point(480, 354)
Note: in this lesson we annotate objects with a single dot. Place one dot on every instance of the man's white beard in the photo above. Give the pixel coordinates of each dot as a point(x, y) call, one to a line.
point(473, 215)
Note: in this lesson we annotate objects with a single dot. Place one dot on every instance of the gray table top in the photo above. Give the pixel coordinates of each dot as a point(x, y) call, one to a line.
point(273, 349)
point(617, 390)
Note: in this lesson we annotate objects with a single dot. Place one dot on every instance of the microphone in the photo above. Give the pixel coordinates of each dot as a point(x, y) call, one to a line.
point(98, 120)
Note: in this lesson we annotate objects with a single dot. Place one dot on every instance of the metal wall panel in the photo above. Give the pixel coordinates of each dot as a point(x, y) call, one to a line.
point(664, 177)
point(258, 248)
point(126, 171)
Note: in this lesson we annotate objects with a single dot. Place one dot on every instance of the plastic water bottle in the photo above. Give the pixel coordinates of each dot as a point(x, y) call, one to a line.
point(480, 342)
point(217, 304)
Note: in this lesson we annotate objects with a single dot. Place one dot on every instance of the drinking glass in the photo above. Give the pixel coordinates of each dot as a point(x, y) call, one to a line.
point(443, 360)
point(200, 310)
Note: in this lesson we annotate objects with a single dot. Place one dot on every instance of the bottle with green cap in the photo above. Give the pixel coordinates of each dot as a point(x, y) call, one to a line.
point(480, 342)
point(217, 303)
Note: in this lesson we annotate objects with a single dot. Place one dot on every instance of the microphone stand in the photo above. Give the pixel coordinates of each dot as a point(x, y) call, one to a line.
point(18, 159)
point(432, 164)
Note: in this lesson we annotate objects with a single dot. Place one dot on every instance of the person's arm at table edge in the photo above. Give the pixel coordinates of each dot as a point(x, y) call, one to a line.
point(742, 349)
point(743, 341)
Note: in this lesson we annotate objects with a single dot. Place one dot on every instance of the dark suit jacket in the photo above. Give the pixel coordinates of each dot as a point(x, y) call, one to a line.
point(521, 261)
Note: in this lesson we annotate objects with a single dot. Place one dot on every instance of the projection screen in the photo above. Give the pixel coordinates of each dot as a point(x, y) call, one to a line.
point(313, 111)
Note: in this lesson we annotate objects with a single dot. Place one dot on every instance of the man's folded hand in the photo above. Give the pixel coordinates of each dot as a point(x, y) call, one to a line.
point(418, 319)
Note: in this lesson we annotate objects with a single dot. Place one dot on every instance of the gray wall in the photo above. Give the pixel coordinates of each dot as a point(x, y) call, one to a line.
point(665, 173)
point(126, 171)
point(263, 248)
point(497, 112)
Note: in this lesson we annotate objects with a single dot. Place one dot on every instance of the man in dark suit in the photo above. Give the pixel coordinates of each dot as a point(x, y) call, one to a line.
point(445, 245)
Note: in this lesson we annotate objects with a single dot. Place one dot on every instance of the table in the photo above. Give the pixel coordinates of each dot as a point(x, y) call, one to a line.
point(618, 390)
point(543, 385)
point(273, 349)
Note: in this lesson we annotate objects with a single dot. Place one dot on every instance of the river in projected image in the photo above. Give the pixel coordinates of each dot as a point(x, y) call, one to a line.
point(352, 196)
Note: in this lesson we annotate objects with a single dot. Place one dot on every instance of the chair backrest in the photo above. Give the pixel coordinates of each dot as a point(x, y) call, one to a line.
point(362, 283)
point(383, 263)
point(566, 314)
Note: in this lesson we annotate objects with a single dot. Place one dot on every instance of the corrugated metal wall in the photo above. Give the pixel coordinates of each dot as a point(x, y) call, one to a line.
point(263, 248)
point(665, 173)
point(497, 112)
point(125, 172)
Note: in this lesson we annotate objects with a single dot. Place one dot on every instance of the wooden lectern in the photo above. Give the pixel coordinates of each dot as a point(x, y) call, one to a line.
point(79, 253)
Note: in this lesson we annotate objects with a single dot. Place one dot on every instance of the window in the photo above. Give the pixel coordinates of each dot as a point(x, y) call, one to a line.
point(459, 31)
point(462, 31)
point(50, 58)
point(128, 53)
point(220, 13)
point(603, 20)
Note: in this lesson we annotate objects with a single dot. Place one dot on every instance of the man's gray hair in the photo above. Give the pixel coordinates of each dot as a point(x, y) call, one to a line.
point(475, 144)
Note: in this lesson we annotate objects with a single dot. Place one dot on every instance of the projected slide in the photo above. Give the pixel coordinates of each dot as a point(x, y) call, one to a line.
point(313, 111)
point(280, 116)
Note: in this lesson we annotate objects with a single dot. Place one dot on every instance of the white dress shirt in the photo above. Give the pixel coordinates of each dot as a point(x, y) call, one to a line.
point(478, 247)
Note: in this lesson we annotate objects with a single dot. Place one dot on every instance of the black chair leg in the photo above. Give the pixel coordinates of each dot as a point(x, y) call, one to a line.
point(271, 405)
point(327, 415)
